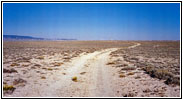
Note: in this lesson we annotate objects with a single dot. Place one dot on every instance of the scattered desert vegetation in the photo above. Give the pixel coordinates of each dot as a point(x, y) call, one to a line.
point(43, 63)
point(35, 60)
point(158, 59)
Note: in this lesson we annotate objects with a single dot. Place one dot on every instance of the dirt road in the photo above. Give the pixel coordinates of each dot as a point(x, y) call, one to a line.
point(94, 78)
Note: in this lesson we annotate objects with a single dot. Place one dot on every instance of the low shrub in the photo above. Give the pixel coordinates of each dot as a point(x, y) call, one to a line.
point(9, 70)
point(19, 82)
point(122, 75)
point(57, 63)
point(74, 79)
point(43, 77)
point(8, 88)
point(14, 64)
point(50, 69)
point(37, 65)
point(137, 77)
point(40, 57)
point(82, 73)
point(131, 73)
point(173, 80)
point(162, 74)
point(128, 68)
point(129, 95)
point(110, 63)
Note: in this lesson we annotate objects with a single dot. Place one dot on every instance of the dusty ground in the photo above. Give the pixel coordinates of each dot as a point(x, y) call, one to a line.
point(49, 71)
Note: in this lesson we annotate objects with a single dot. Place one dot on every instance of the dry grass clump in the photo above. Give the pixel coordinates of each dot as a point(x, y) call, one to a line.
point(125, 64)
point(173, 80)
point(162, 74)
point(8, 88)
point(40, 57)
point(26, 59)
point(37, 65)
point(33, 67)
point(50, 69)
point(57, 63)
point(23, 59)
point(110, 63)
point(14, 64)
point(147, 90)
point(19, 81)
point(129, 95)
point(67, 58)
point(122, 75)
point(133, 58)
point(158, 73)
point(9, 70)
point(44, 68)
point(128, 68)
point(25, 65)
point(137, 77)
point(122, 65)
point(74, 79)
point(82, 73)
point(43, 77)
point(131, 73)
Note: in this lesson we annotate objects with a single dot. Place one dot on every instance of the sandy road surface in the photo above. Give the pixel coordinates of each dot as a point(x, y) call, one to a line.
point(92, 74)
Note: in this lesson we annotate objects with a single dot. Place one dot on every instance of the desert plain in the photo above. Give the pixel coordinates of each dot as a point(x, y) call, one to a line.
point(91, 68)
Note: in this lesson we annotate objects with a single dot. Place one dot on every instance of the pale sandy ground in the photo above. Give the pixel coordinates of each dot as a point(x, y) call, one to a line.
point(95, 79)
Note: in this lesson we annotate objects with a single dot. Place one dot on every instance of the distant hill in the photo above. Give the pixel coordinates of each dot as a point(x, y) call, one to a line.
point(64, 39)
point(18, 37)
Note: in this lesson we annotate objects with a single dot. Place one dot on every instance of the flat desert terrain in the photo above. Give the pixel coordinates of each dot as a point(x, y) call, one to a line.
point(91, 68)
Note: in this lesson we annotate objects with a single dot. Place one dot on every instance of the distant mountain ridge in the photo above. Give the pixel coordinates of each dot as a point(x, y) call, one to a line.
point(18, 37)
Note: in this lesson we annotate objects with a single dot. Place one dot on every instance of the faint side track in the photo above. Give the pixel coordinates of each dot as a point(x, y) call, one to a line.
point(133, 46)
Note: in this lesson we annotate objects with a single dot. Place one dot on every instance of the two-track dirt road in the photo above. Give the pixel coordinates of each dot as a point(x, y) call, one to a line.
point(94, 78)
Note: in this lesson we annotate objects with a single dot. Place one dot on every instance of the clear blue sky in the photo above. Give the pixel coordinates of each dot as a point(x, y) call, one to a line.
point(93, 21)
